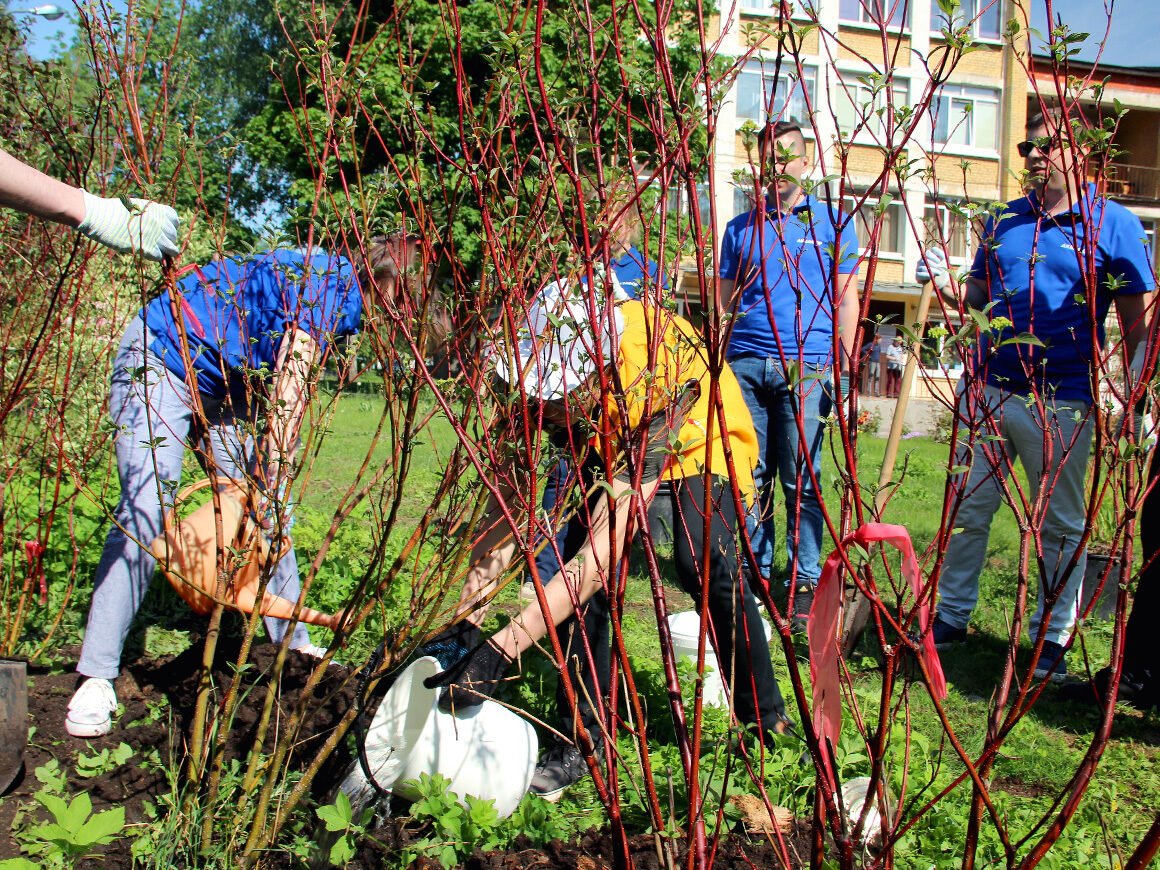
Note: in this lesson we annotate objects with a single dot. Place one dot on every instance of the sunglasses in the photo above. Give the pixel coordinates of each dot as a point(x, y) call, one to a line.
point(1043, 147)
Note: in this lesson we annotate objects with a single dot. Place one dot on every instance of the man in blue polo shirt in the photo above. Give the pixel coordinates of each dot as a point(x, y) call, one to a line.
point(1032, 266)
point(248, 330)
point(787, 269)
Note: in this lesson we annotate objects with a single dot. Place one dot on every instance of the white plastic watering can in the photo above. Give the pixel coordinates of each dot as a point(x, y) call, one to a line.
point(487, 752)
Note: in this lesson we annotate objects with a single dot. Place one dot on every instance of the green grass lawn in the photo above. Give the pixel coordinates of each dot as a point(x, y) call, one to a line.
point(1035, 764)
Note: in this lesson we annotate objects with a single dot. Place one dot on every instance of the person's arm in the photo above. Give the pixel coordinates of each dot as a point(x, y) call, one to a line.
point(296, 356)
point(584, 573)
point(32, 192)
point(1133, 313)
point(138, 225)
point(477, 675)
point(849, 310)
point(933, 266)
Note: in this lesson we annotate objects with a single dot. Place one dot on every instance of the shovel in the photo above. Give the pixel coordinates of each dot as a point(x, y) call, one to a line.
point(13, 720)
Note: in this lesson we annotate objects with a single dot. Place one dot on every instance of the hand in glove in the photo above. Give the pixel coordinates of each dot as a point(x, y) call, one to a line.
point(131, 225)
point(472, 680)
point(932, 266)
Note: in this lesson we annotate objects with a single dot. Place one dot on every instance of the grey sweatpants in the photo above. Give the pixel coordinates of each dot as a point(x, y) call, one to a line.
point(152, 411)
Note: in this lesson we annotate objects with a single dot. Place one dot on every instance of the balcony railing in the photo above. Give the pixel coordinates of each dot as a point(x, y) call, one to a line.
point(1134, 183)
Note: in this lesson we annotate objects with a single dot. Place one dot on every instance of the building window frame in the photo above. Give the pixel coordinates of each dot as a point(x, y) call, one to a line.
point(854, 91)
point(943, 224)
point(983, 17)
point(767, 76)
point(862, 13)
point(892, 238)
point(954, 118)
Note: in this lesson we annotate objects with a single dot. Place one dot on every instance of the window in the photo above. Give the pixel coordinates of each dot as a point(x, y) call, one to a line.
point(676, 203)
point(967, 116)
point(891, 223)
point(892, 13)
point(860, 111)
point(948, 222)
point(797, 8)
point(744, 197)
point(763, 95)
point(983, 17)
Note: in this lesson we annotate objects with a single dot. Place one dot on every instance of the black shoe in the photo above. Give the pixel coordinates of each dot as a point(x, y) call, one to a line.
point(561, 767)
point(1051, 665)
point(1134, 693)
point(946, 635)
point(803, 600)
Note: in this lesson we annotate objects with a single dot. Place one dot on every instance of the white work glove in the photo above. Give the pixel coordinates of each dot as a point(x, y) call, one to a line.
point(932, 266)
point(131, 225)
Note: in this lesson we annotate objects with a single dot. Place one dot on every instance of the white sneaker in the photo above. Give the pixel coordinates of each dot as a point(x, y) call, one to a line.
point(313, 651)
point(90, 712)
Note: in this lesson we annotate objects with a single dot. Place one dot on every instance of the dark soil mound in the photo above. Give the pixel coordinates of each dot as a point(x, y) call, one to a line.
point(158, 701)
point(153, 693)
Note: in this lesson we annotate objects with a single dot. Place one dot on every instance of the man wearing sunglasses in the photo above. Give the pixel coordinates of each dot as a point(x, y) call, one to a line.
point(1052, 264)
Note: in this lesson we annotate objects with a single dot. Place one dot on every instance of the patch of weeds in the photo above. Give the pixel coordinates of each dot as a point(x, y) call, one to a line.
point(100, 763)
point(73, 832)
point(162, 642)
point(339, 819)
point(450, 830)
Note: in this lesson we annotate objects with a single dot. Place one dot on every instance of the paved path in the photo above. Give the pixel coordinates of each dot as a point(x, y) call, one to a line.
point(922, 415)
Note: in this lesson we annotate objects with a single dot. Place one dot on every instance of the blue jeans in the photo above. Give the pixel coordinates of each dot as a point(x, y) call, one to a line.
point(788, 451)
point(153, 413)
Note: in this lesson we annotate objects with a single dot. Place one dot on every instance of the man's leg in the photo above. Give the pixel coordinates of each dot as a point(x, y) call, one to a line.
point(738, 635)
point(554, 504)
point(809, 402)
point(151, 411)
point(1141, 651)
point(1054, 449)
point(752, 375)
point(988, 464)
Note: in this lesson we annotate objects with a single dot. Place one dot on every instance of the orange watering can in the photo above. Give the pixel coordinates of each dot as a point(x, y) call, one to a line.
point(187, 551)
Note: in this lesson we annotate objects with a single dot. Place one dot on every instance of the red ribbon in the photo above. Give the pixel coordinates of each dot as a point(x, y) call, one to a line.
point(825, 650)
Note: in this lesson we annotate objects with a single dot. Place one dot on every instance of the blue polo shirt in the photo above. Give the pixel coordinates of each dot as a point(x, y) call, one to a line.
point(636, 273)
point(237, 310)
point(1034, 265)
point(783, 268)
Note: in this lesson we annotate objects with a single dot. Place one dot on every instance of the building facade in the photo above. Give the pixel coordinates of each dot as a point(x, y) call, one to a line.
point(910, 157)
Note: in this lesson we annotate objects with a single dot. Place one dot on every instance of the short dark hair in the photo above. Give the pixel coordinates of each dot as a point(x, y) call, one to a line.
point(1074, 112)
point(774, 130)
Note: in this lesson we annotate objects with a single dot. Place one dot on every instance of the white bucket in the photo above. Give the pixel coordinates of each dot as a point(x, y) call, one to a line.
point(685, 629)
point(487, 751)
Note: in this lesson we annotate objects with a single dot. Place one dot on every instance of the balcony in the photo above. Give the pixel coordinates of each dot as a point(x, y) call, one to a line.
point(1134, 184)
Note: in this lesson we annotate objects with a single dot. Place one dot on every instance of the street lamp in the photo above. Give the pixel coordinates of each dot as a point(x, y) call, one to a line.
point(48, 12)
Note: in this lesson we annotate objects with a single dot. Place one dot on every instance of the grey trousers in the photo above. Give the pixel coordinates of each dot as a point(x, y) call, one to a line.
point(1057, 460)
point(152, 411)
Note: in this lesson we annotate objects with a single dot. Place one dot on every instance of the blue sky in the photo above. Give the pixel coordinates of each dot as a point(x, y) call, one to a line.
point(1134, 38)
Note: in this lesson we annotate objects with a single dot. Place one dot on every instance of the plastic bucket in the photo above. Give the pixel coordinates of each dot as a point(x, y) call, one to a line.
point(855, 795)
point(685, 629)
point(487, 752)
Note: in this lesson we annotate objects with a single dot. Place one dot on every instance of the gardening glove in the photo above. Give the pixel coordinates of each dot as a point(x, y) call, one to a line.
point(932, 266)
point(131, 225)
point(452, 644)
point(472, 680)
